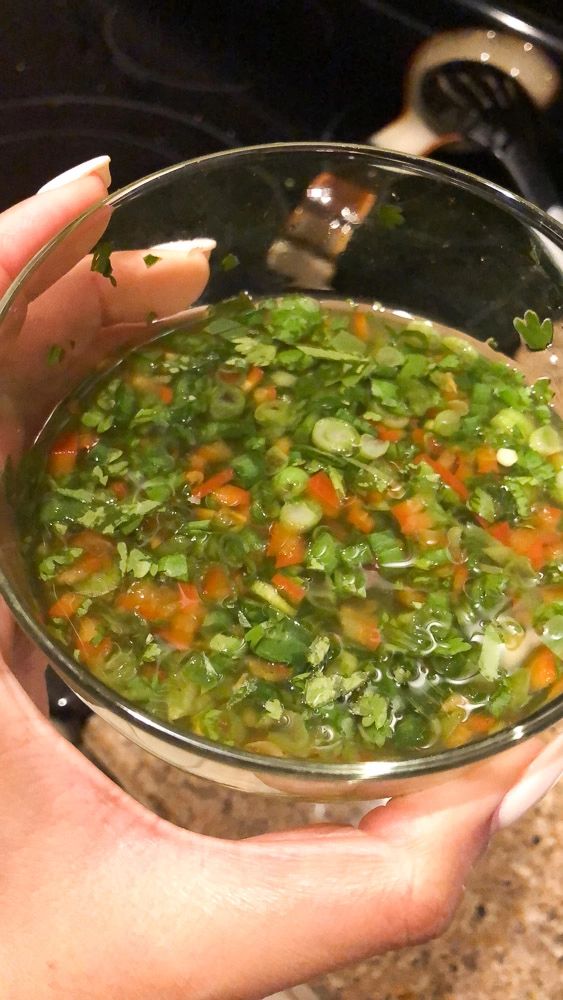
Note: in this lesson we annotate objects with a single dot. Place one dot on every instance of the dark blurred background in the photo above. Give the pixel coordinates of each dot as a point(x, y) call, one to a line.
point(152, 82)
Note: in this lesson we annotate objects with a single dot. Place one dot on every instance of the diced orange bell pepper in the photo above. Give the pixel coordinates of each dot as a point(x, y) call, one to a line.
point(210, 454)
point(92, 652)
point(184, 623)
point(290, 587)
point(213, 483)
point(180, 631)
point(359, 325)
point(265, 394)
point(464, 466)
point(150, 600)
point(530, 543)
point(459, 736)
point(486, 460)
point(188, 595)
point(359, 625)
point(64, 452)
point(267, 671)
point(254, 376)
point(459, 578)
point(358, 516)
point(119, 488)
point(84, 566)
point(286, 546)
point(556, 691)
point(479, 723)
point(93, 541)
point(548, 518)
point(232, 496)
point(407, 597)
point(500, 531)
point(97, 554)
point(389, 433)
point(321, 489)
point(216, 584)
point(66, 605)
point(451, 480)
point(166, 394)
point(543, 668)
point(411, 516)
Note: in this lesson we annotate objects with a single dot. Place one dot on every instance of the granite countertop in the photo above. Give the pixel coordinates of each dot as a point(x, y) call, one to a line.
point(506, 941)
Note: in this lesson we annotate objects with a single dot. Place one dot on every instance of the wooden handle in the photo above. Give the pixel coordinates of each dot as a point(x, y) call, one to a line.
point(408, 134)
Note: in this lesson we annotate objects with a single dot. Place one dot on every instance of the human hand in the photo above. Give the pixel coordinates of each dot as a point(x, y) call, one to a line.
point(101, 899)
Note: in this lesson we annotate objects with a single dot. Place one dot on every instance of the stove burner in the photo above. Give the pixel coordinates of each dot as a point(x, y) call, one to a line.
point(42, 137)
point(131, 44)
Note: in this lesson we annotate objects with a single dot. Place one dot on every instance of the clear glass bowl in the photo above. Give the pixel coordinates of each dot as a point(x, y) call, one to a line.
point(345, 222)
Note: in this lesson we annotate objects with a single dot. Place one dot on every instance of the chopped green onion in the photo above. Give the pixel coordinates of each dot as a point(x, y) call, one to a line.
point(545, 440)
point(277, 411)
point(301, 515)
point(446, 422)
point(389, 357)
point(371, 447)
point(290, 482)
point(227, 401)
point(508, 420)
point(269, 594)
point(335, 436)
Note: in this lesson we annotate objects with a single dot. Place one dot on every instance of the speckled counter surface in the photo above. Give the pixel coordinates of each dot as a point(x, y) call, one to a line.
point(506, 942)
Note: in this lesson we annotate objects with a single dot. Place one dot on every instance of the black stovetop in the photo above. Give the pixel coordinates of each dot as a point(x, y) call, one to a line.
point(159, 81)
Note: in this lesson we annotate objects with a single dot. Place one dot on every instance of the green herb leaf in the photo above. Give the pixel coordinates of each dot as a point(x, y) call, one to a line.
point(175, 566)
point(535, 334)
point(55, 354)
point(274, 708)
point(320, 691)
point(390, 216)
point(229, 262)
point(318, 650)
point(151, 259)
point(101, 261)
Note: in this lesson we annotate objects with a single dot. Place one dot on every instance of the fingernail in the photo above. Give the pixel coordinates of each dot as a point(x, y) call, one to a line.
point(538, 778)
point(204, 246)
point(98, 165)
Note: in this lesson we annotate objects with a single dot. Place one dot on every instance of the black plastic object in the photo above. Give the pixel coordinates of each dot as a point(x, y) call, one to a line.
point(490, 109)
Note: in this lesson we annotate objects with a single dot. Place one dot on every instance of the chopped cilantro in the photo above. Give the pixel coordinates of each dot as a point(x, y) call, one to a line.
point(274, 708)
point(151, 259)
point(390, 216)
point(535, 334)
point(101, 261)
point(55, 354)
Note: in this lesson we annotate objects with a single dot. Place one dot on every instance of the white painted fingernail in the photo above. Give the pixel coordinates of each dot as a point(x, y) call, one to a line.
point(98, 165)
point(538, 778)
point(202, 244)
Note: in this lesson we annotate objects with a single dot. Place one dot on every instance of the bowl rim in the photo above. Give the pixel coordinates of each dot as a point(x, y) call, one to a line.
point(95, 693)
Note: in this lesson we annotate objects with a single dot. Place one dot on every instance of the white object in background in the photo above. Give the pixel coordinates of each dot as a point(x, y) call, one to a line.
point(516, 56)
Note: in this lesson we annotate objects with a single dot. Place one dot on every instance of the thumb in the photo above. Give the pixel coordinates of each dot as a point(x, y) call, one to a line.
point(318, 899)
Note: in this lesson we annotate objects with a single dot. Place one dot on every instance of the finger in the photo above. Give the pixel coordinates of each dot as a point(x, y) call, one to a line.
point(170, 285)
point(74, 314)
point(27, 227)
